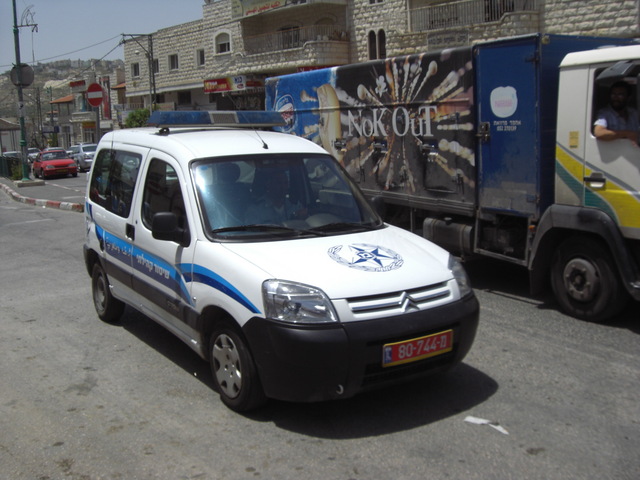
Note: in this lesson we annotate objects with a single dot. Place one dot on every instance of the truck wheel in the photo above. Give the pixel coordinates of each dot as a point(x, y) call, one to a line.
point(109, 309)
point(234, 372)
point(584, 281)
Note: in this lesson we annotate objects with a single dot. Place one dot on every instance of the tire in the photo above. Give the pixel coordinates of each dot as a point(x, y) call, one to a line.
point(108, 308)
point(234, 371)
point(584, 281)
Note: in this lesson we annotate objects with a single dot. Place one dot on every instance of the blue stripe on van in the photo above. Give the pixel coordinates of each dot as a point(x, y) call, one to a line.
point(212, 279)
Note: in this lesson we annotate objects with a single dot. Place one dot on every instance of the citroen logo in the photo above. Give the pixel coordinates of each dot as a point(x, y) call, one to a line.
point(407, 303)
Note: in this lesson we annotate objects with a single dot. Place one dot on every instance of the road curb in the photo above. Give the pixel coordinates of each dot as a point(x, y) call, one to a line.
point(72, 207)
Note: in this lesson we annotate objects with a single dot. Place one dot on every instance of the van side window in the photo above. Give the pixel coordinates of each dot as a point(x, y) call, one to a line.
point(162, 193)
point(114, 179)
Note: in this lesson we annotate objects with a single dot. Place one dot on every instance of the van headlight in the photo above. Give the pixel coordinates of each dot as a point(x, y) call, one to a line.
point(296, 303)
point(460, 274)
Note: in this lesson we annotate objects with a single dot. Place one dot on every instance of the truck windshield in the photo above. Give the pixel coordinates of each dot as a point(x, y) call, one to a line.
point(279, 196)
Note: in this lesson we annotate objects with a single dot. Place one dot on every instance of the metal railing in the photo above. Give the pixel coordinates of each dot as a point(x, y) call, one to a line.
point(293, 38)
point(465, 13)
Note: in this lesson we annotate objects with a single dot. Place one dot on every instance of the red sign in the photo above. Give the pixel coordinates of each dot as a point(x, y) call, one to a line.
point(231, 84)
point(95, 94)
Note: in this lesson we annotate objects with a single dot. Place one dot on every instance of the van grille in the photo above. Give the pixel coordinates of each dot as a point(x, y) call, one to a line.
point(400, 302)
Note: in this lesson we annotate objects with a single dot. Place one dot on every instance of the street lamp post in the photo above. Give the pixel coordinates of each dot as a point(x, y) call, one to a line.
point(149, 54)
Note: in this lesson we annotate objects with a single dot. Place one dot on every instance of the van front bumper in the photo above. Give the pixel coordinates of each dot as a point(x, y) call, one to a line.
point(304, 363)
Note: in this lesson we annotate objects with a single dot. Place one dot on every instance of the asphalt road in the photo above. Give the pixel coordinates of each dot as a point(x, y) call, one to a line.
point(80, 399)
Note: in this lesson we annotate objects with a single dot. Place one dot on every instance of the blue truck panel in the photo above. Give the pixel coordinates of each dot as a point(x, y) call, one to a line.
point(517, 91)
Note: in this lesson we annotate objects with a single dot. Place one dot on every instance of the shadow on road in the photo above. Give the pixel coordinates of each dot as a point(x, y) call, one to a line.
point(391, 410)
point(394, 409)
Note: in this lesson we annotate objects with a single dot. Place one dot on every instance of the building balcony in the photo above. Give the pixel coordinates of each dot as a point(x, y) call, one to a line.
point(294, 38)
point(255, 8)
point(86, 116)
point(466, 13)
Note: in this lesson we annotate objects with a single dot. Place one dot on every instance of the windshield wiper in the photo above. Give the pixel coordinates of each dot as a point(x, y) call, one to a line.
point(265, 228)
point(329, 227)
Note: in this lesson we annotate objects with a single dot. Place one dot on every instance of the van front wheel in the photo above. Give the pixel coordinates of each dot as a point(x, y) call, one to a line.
point(234, 371)
point(584, 281)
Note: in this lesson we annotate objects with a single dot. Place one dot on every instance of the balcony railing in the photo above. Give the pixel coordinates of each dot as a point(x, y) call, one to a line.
point(293, 38)
point(465, 13)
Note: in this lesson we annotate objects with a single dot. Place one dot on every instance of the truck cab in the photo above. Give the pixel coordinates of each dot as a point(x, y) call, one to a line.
point(595, 219)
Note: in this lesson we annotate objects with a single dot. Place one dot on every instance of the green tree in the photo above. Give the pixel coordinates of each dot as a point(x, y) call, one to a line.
point(137, 118)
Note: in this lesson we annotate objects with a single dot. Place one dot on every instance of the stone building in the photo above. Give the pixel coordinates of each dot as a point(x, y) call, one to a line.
point(221, 60)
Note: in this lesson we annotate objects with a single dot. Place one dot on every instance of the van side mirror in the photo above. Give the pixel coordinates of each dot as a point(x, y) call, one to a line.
point(164, 226)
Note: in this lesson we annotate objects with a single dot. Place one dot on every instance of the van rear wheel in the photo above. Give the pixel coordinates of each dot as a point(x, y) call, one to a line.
point(584, 281)
point(108, 308)
point(234, 371)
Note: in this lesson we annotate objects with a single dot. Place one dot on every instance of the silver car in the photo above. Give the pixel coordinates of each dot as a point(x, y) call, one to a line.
point(83, 155)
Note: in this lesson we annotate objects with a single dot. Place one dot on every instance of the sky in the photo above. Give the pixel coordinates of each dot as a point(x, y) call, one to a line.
point(84, 29)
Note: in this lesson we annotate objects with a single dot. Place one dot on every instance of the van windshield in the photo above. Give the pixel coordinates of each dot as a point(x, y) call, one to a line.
point(279, 196)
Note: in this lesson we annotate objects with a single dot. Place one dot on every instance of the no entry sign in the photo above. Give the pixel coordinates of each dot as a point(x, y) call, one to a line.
point(94, 94)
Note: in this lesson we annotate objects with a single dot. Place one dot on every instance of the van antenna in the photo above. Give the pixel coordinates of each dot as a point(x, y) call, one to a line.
point(255, 130)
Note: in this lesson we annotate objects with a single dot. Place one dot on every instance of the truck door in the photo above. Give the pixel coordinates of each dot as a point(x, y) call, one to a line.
point(612, 168)
point(508, 112)
point(157, 275)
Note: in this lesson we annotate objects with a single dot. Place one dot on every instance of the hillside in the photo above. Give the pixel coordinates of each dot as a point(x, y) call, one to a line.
point(51, 82)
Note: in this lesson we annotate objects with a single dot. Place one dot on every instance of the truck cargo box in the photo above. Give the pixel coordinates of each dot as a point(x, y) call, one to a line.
point(449, 132)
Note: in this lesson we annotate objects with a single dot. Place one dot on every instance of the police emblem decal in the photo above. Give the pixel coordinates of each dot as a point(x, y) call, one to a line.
point(362, 256)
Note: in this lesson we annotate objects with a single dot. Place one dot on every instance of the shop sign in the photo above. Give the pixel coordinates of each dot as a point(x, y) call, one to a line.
point(231, 84)
point(78, 86)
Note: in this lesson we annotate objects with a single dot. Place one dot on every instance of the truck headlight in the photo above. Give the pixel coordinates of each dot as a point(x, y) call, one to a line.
point(460, 274)
point(296, 303)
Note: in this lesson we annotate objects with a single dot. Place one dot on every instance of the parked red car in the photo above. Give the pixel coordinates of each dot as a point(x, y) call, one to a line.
point(54, 162)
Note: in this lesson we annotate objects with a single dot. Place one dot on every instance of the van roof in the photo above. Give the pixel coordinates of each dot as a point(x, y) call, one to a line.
point(190, 143)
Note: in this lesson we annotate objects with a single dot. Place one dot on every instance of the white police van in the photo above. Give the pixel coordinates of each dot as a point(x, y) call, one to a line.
point(257, 250)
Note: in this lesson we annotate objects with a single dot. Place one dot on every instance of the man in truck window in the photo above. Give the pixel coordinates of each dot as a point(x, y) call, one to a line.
point(617, 120)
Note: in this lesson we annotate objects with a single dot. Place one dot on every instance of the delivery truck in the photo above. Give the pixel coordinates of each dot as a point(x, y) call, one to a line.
point(488, 150)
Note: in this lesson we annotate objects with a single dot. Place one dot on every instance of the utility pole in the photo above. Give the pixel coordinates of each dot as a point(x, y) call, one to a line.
point(23, 140)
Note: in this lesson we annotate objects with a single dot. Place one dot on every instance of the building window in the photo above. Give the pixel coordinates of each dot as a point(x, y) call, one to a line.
point(135, 70)
point(373, 2)
point(156, 66)
point(382, 44)
point(372, 45)
point(184, 97)
point(173, 62)
point(200, 57)
point(377, 44)
point(223, 43)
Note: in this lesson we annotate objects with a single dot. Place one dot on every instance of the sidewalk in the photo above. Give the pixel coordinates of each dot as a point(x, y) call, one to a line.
point(49, 196)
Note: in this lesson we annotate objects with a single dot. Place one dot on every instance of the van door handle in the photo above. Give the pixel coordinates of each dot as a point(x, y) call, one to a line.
point(596, 180)
point(130, 232)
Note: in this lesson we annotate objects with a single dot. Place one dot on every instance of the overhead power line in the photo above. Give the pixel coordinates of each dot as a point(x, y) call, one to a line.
point(74, 51)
